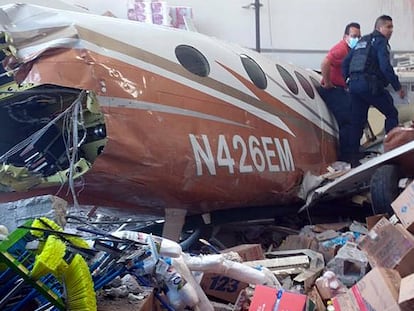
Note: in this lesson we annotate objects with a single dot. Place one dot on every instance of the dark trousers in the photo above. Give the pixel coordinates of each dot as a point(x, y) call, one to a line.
point(360, 104)
point(339, 103)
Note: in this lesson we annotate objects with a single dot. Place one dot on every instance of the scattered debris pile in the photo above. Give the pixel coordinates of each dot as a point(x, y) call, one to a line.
point(64, 270)
point(340, 266)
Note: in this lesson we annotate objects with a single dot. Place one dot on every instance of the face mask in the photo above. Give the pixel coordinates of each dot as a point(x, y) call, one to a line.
point(352, 42)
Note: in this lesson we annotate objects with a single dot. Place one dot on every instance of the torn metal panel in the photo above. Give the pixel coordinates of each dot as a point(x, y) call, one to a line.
point(357, 179)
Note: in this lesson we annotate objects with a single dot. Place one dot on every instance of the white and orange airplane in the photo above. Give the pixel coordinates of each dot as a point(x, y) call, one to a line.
point(154, 119)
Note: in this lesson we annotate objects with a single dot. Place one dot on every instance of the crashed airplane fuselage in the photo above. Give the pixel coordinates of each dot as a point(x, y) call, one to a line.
point(139, 116)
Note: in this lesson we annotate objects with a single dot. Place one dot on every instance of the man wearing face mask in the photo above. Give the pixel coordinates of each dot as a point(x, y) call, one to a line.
point(333, 87)
point(368, 71)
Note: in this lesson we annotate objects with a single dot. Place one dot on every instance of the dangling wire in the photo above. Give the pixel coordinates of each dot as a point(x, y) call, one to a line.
point(36, 135)
point(72, 119)
point(72, 122)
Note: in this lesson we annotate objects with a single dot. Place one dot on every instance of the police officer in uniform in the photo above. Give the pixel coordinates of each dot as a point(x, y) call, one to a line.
point(368, 70)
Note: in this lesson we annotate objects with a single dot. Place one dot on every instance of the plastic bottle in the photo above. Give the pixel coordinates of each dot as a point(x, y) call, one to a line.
point(180, 293)
point(145, 266)
point(330, 306)
point(204, 303)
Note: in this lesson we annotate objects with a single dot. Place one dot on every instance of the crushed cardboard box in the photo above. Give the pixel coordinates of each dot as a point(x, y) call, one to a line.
point(403, 207)
point(406, 296)
point(378, 290)
point(225, 288)
point(222, 287)
point(247, 252)
point(389, 246)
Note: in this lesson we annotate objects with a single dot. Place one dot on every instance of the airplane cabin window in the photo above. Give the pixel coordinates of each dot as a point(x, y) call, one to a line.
point(288, 79)
point(315, 82)
point(192, 60)
point(254, 71)
point(305, 84)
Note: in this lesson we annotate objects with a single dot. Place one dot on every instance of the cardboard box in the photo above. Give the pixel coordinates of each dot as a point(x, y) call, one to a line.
point(222, 287)
point(293, 302)
point(140, 11)
point(178, 15)
point(378, 290)
point(148, 304)
point(264, 299)
point(372, 220)
point(160, 13)
point(403, 207)
point(248, 252)
point(296, 242)
point(317, 299)
point(406, 264)
point(325, 291)
point(406, 297)
point(389, 246)
point(345, 302)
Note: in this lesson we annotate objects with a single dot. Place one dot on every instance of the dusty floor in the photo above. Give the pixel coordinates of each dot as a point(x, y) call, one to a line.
point(120, 304)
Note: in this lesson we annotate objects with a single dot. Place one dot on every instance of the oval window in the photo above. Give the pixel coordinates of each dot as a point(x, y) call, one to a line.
point(315, 82)
point(288, 79)
point(255, 73)
point(192, 60)
point(305, 84)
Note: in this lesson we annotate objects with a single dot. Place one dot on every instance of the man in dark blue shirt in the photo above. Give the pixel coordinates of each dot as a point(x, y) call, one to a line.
point(368, 70)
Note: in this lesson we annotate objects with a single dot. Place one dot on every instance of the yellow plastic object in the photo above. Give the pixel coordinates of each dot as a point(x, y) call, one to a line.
point(11, 88)
point(48, 224)
point(79, 287)
point(50, 260)
point(20, 179)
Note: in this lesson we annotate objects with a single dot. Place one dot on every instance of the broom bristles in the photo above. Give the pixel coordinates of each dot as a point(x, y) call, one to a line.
point(80, 293)
point(50, 259)
point(46, 223)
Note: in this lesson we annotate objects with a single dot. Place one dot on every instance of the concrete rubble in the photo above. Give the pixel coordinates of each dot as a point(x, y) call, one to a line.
point(343, 265)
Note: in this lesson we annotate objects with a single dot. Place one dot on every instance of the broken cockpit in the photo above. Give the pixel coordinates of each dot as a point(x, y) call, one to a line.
point(48, 135)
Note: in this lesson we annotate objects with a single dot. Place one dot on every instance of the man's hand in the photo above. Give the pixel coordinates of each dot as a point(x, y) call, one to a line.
point(327, 85)
point(401, 93)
